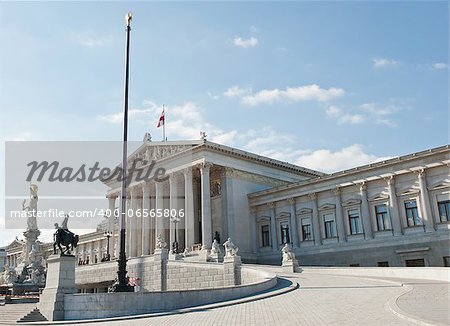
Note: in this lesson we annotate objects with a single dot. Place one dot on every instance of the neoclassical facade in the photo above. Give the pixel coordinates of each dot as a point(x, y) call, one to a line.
point(390, 213)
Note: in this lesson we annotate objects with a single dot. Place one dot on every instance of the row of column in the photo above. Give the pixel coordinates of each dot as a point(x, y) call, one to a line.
point(339, 219)
point(140, 198)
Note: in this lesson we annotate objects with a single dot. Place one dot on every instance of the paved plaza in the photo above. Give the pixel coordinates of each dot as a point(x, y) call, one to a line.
point(320, 300)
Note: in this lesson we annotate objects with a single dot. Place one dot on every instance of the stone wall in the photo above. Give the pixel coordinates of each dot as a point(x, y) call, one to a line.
point(104, 305)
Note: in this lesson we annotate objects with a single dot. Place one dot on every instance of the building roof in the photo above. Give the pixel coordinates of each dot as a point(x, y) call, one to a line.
point(359, 169)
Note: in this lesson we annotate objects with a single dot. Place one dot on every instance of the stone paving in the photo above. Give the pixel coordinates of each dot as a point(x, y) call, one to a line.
point(327, 300)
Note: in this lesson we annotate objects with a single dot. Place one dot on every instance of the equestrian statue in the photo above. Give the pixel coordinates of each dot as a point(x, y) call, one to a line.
point(64, 237)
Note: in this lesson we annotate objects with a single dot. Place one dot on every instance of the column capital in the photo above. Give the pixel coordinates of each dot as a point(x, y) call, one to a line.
point(312, 196)
point(271, 205)
point(204, 166)
point(421, 173)
point(363, 186)
point(253, 210)
point(291, 201)
point(228, 172)
point(336, 190)
point(112, 195)
point(390, 179)
point(187, 171)
point(134, 191)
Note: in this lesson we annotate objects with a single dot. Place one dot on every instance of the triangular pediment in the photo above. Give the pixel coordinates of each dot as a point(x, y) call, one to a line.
point(283, 215)
point(380, 196)
point(304, 211)
point(408, 191)
point(351, 202)
point(440, 185)
point(327, 206)
point(263, 219)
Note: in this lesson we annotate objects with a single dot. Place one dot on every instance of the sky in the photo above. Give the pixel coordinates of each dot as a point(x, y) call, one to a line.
point(325, 85)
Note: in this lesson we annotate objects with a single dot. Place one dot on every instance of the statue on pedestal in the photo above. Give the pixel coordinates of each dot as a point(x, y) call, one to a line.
point(64, 237)
point(230, 248)
point(160, 243)
point(288, 254)
point(31, 208)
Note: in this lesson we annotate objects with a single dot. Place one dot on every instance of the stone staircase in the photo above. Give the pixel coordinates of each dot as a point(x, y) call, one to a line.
point(11, 313)
point(34, 315)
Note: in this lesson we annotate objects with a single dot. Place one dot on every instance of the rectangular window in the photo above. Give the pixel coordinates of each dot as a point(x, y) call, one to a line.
point(415, 263)
point(354, 221)
point(330, 226)
point(382, 218)
point(284, 229)
point(265, 236)
point(306, 229)
point(446, 261)
point(444, 211)
point(383, 264)
point(412, 214)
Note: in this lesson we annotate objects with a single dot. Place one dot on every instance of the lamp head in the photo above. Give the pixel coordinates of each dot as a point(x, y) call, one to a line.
point(128, 18)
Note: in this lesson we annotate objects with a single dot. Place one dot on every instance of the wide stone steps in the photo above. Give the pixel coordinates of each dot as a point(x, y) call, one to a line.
point(11, 313)
point(34, 315)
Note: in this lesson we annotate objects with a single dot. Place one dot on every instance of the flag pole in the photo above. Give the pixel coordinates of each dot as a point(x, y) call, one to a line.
point(164, 124)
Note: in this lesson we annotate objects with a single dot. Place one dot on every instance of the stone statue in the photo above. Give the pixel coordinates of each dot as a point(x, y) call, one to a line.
point(31, 208)
point(9, 275)
point(215, 247)
point(64, 237)
point(288, 254)
point(230, 248)
point(186, 252)
point(160, 243)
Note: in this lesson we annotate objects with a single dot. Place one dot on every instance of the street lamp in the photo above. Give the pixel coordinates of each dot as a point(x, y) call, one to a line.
point(175, 220)
point(122, 278)
point(108, 235)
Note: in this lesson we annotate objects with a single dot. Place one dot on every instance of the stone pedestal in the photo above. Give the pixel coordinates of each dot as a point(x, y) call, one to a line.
point(60, 281)
point(217, 257)
point(204, 254)
point(161, 258)
point(291, 266)
point(232, 270)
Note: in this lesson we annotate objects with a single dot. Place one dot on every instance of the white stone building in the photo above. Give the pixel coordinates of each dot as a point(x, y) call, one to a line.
point(390, 213)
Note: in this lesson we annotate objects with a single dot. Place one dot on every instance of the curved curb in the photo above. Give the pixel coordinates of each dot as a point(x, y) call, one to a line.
point(293, 286)
point(392, 306)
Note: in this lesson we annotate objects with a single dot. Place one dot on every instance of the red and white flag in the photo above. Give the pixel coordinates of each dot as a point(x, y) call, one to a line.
point(161, 120)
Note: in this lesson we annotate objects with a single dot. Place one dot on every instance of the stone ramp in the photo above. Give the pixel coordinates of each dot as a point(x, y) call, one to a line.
point(11, 313)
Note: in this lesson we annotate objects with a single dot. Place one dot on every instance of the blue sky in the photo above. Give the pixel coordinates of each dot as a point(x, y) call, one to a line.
point(326, 85)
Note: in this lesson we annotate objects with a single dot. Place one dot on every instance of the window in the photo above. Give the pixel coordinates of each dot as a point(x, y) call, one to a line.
point(330, 226)
point(284, 228)
point(382, 218)
point(444, 211)
point(265, 236)
point(383, 264)
point(446, 261)
point(354, 221)
point(415, 263)
point(306, 229)
point(412, 214)
point(354, 265)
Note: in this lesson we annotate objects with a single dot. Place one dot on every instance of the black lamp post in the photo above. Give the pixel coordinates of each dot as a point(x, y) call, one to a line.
point(175, 220)
point(108, 235)
point(122, 284)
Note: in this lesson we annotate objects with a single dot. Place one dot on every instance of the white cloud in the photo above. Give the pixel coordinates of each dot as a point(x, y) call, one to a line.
point(245, 43)
point(384, 63)
point(439, 65)
point(237, 91)
point(290, 94)
point(342, 117)
point(379, 113)
point(91, 41)
point(345, 158)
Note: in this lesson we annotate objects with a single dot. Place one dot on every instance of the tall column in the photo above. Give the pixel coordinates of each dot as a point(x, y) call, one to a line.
point(253, 230)
point(145, 219)
point(112, 224)
point(206, 206)
point(173, 194)
point(342, 237)
point(159, 206)
point(293, 229)
point(189, 208)
point(393, 207)
point(368, 232)
point(425, 201)
point(315, 220)
point(228, 203)
point(133, 222)
point(273, 227)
